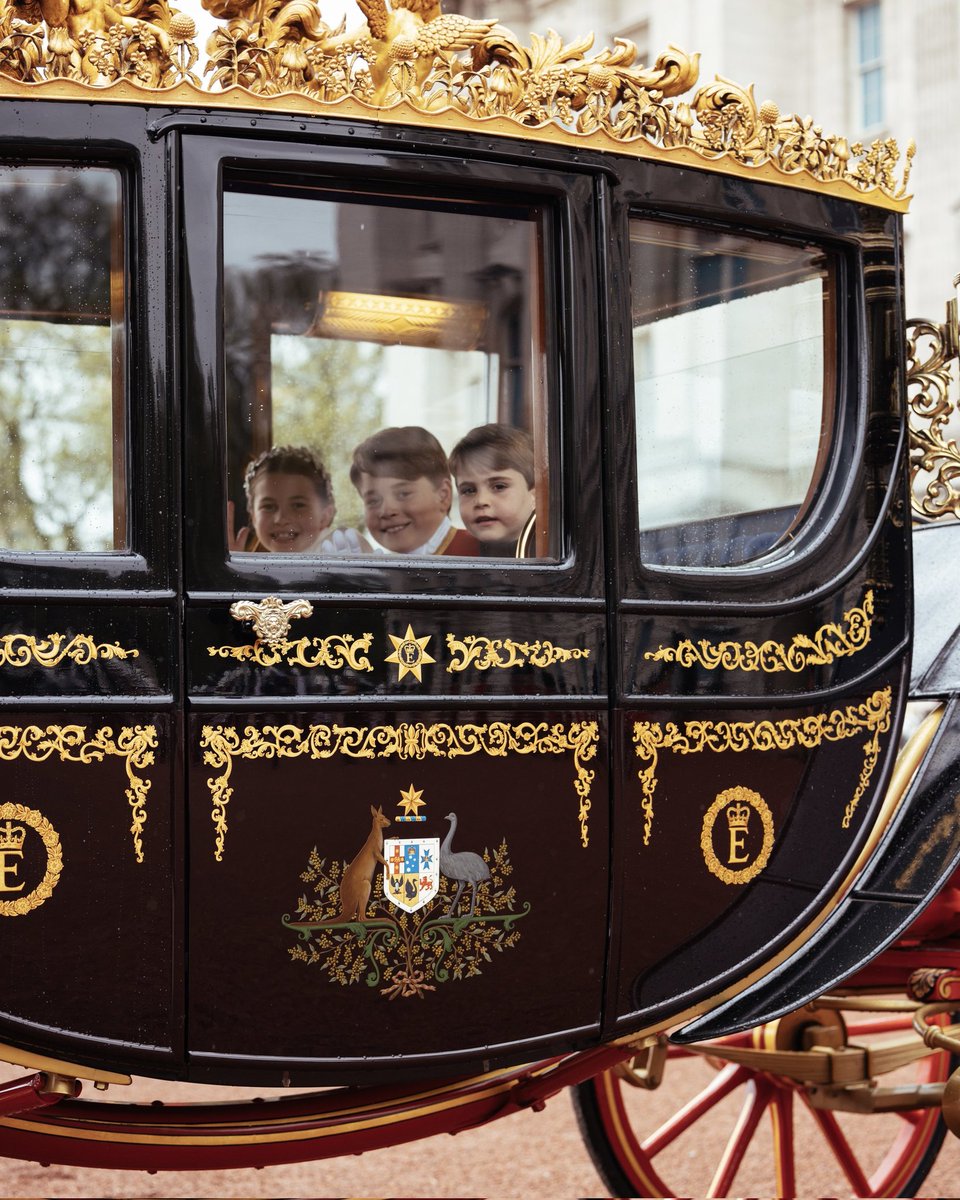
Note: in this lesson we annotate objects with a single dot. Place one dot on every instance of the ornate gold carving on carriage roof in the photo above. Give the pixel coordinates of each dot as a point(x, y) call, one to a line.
point(496, 739)
point(410, 63)
point(934, 455)
point(337, 651)
point(16, 820)
point(693, 737)
point(482, 653)
point(72, 743)
point(23, 650)
point(828, 643)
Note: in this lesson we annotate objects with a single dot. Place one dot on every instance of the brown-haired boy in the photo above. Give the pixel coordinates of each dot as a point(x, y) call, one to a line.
point(493, 467)
point(403, 478)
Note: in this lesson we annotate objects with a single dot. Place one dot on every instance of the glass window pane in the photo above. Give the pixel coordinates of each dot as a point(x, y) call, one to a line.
point(733, 359)
point(61, 359)
point(396, 349)
point(869, 33)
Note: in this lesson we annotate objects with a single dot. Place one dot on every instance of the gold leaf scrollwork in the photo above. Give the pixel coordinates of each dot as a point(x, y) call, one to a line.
point(871, 716)
point(335, 652)
point(71, 743)
point(482, 653)
point(22, 650)
point(412, 63)
point(51, 841)
point(498, 739)
point(827, 644)
point(934, 454)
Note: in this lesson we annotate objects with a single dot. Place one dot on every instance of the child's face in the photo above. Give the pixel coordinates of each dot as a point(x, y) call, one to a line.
point(402, 514)
point(495, 503)
point(287, 513)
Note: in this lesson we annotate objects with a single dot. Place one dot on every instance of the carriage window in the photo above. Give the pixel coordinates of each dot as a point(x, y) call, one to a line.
point(733, 342)
point(61, 360)
point(384, 365)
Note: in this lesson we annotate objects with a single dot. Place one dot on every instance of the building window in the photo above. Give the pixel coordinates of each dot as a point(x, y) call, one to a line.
point(868, 42)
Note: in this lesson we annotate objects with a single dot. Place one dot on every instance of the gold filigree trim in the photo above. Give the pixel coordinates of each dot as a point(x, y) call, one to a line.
point(482, 653)
point(222, 744)
point(44, 889)
point(872, 716)
point(934, 455)
point(336, 652)
point(70, 743)
point(830, 642)
point(413, 64)
point(23, 650)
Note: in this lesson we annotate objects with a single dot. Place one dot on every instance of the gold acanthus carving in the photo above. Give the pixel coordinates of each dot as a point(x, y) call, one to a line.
point(828, 643)
point(872, 717)
point(482, 653)
point(271, 617)
point(71, 743)
point(336, 652)
point(23, 650)
point(934, 455)
point(498, 739)
point(409, 62)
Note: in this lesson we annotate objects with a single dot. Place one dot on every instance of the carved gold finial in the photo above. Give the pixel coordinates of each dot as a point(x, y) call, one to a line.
point(932, 351)
point(410, 62)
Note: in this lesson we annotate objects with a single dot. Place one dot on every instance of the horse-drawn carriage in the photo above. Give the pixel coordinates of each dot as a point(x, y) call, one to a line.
point(442, 824)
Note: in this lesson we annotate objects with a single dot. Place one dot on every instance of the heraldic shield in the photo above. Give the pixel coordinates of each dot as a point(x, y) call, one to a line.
point(411, 871)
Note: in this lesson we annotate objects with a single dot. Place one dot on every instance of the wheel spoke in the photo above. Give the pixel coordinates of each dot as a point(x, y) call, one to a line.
point(841, 1151)
point(755, 1101)
point(781, 1117)
point(730, 1078)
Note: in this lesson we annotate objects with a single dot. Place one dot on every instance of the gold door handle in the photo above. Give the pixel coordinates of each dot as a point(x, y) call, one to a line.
point(271, 617)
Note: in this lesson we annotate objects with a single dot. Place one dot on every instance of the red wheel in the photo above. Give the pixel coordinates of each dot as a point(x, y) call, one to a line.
point(713, 1124)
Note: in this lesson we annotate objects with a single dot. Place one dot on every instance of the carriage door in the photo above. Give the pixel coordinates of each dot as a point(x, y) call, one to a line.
point(396, 677)
point(88, 616)
point(764, 569)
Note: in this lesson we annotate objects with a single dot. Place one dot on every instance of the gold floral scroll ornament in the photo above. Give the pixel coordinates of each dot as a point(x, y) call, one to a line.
point(482, 653)
point(22, 650)
point(17, 818)
point(71, 743)
point(498, 739)
point(409, 63)
point(335, 652)
point(694, 737)
point(828, 643)
point(934, 455)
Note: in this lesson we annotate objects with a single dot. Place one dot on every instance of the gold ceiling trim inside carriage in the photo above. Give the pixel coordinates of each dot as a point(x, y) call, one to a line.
point(71, 743)
point(412, 64)
point(824, 646)
point(872, 716)
point(497, 739)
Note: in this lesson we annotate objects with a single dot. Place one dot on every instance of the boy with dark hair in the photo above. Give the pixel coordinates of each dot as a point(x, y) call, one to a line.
point(403, 478)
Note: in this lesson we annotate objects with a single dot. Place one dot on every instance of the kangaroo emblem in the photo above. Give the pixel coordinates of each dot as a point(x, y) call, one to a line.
point(357, 881)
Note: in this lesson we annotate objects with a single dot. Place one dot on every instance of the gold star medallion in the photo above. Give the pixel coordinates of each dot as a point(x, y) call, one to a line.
point(410, 802)
point(410, 655)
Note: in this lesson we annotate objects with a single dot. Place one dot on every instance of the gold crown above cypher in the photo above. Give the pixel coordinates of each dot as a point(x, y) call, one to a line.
point(412, 64)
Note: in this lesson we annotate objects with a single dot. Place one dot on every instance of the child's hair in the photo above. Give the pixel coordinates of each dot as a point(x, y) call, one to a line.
point(509, 448)
point(290, 460)
point(405, 452)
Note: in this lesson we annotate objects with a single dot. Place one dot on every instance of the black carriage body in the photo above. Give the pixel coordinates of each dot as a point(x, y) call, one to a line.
point(193, 803)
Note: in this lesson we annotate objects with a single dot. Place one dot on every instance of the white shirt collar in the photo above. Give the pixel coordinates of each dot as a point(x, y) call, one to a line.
point(430, 546)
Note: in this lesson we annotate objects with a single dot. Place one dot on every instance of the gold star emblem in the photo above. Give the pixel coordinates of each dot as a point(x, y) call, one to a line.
point(410, 802)
point(410, 655)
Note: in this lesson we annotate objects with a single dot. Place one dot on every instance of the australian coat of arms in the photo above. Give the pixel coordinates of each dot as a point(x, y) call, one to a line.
point(406, 913)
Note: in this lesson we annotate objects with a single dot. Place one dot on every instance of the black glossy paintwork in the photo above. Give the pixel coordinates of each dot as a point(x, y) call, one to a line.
point(617, 931)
